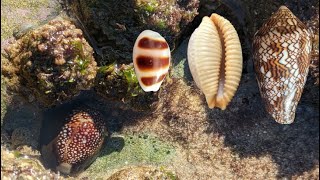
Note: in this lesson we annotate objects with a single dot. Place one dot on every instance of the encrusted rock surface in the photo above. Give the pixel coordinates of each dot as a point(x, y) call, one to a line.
point(241, 142)
point(120, 83)
point(53, 63)
point(114, 26)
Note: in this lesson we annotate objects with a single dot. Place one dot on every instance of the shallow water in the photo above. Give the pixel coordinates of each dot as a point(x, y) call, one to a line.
point(242, 142)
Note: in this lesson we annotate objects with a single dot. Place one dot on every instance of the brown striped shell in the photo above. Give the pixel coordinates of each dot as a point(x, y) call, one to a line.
point(215, 60)
point(151, 60)
point(281, 59)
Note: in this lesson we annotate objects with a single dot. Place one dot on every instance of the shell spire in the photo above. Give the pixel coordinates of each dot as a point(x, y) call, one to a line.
point(282, 49)
point(215, 60)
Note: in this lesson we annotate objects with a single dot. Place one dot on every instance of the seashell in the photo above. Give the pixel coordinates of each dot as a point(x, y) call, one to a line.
point(281, 59)
point(77, 143)
point(215, 60)
point(151, 60)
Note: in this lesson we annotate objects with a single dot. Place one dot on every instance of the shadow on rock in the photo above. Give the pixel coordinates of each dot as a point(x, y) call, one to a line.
point(21, 123)
point(56, 117)
point(250, 131)
point(113, 113)
point(112, 144)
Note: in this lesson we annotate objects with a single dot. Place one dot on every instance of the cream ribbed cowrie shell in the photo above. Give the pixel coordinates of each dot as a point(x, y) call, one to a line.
point(151, 60)
point(215, 60)
point(282, 51)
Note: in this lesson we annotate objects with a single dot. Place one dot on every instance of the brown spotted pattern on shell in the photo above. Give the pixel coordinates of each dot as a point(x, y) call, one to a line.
point(79, 139)
point(281, 59)
point(151, 60)
point(215, 60)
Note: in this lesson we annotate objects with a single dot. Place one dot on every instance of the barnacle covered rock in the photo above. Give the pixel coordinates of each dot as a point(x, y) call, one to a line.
point(114, 26)
point(53, 62)
point(77, 144)
point(120, 83)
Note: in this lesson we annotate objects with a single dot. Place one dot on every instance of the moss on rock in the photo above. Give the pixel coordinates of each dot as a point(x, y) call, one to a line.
point(114, 26)
point(120, 83)
point(127, 150)
point(144, 172)
point(53, 62)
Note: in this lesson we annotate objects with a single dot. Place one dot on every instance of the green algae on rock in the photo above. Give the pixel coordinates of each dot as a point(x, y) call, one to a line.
point(144, 172)
point(123, 150)
point(114, 26)
point(53, 62)
point(121, 84)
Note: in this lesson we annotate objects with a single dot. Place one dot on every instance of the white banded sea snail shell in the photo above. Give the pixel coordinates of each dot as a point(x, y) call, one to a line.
point(282, 49)
point(78, 142)
point(151, 60)
point(215, 60)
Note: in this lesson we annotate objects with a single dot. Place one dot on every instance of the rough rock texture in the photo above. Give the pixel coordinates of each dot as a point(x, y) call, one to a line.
point(114, 26)
point(242, 142)
point(15, 14)
point(52, 63)
point(143, 172)
point(17, 165)
point(120, 83)
point(21, 124)
point(313, 25)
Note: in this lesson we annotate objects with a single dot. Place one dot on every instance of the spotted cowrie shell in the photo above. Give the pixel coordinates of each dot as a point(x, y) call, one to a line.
point(79, 141)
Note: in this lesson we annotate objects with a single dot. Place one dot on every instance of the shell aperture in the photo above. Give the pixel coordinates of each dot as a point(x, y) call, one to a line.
point(215, 60)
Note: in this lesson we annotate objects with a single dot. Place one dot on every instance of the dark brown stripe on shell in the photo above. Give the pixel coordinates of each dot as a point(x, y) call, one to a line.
point(148, 43)
point(146, 63)
point(148, 81)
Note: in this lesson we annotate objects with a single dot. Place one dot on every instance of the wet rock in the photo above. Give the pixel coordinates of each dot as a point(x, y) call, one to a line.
point(114, 26)
point(23, 136)
point(119, 83)
point(127, 149)
point(144, 172)
point(53, 62)
point(313, 25)
point(17, 165)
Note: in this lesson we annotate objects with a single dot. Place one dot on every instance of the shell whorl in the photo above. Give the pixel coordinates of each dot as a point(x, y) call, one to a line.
point(215, 60)
point(282, 49)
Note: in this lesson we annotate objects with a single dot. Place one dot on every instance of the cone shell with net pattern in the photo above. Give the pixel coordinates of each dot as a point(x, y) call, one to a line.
point(282, 49)
point(215, 60)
